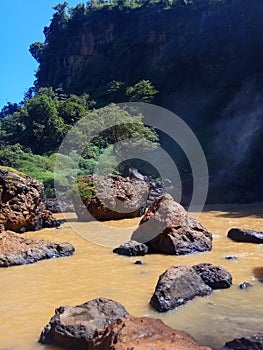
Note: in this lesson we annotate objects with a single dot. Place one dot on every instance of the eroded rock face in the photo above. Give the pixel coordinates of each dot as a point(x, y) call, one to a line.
point(142, 333)
point(131, 248)
point(243, 235)
point(19, 250)
point(215, 277)
point(167, 228)
point(74, 327)
point(111, 198)
point(250, 343)
point(176, 286)
point(21, 203)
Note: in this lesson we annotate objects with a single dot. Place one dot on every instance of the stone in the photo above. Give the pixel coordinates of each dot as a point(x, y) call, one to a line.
point(258, 273)
point(21, 203)
point(142, 333)
point(139, 262)
point(16, 249)
point(131, 248)
point(74, 327)
point(232, 258)
point(245, 285)
point(215, 277)
point(243, 235)
point(167, 228)
point(110, 198)
point(246, 343)
point(176, 286)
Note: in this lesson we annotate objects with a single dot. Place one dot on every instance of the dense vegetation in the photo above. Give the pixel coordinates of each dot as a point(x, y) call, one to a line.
point(204, 57)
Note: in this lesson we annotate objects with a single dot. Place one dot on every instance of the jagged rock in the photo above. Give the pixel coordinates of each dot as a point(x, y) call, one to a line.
point(167, 228)
point(19, 250)
point(142, 333)
point(176, 286)
point(111, 197)
point(21, 203)
point(131, 248)
point(74, 327)
point(245, 285)
point(215, 277)
point(250, 343)
point(243, 235)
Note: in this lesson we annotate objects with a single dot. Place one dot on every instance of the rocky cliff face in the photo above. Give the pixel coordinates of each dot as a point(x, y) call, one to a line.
point(204, 57)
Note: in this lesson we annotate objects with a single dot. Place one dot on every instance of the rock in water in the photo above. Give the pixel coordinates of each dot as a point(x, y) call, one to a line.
point(215, 277)
point(19, 250)
point(21, 203)
point(251, 343)
point(74, 327)
point(110, 198)
point(243, 235)
point(167, 228)
point(131, 248)
point(142, 333)
point(176, 286)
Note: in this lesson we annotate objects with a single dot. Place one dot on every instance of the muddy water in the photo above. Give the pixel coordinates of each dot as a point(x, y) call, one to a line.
point(29, 294)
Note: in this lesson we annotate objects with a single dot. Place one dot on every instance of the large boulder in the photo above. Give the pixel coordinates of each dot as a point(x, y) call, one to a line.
point(19, 250)
point(74, 327)
point(167, 228)
point(243, 235)
point(250, 343)
point(142, 333)
point(21, 203)
point(110, 198)
point(176, 286)
point(215, 277)
point(131, 248)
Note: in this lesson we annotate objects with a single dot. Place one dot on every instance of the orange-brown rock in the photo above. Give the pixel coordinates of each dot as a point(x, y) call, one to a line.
point(142, 333)
point(19, 250)
point(110, 197)
point(21, 203)
point(167, 228)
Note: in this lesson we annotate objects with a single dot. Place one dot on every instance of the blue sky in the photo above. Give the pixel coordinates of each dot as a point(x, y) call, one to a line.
point(21, 23)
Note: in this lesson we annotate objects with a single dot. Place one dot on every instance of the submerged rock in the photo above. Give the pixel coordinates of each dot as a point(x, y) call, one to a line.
point(176, 286)
point(110, 198)
point(215, 277)
point(21, 203)
point(167, 228)
point(245, 285)
point(131, 248)
point(246, 343)
point(142, 333)
point(243, 235)
point(258, 273)
point(19, 250)
point(74, 327)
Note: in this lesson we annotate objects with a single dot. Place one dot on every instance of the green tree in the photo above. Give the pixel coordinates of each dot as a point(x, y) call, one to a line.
point(143, 91)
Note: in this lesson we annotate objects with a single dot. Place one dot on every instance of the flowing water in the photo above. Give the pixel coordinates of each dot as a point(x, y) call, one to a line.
point(29, 294)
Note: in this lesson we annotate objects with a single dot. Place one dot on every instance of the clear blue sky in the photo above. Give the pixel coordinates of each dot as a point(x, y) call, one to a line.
point(21, 23)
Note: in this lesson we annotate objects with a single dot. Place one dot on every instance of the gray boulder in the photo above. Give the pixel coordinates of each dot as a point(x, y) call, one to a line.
point(243, 235)
point(215, 277)
point(131, 248)
point(176, 286)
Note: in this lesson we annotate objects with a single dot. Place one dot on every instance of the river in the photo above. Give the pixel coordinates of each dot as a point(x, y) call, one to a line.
point(29, 294)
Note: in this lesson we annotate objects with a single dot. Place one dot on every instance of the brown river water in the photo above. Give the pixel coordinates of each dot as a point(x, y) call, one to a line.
point(29, 294)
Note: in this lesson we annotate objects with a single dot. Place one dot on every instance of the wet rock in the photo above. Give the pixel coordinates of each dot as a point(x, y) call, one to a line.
point(215, 277)
point(245, 285)
point(167, 228)
point(233, 258)
point(258, 273)
point(131, 248)
point(250, 343)
point(243, 235)
point(142, 333)
point(110, 198)
point(176, 286)
point(21, 203)
point(74, 327)
point(19, 250)
point(61, 206)
point(139, 262)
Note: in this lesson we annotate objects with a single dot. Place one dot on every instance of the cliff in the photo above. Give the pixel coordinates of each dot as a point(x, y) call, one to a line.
point(205, 58)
